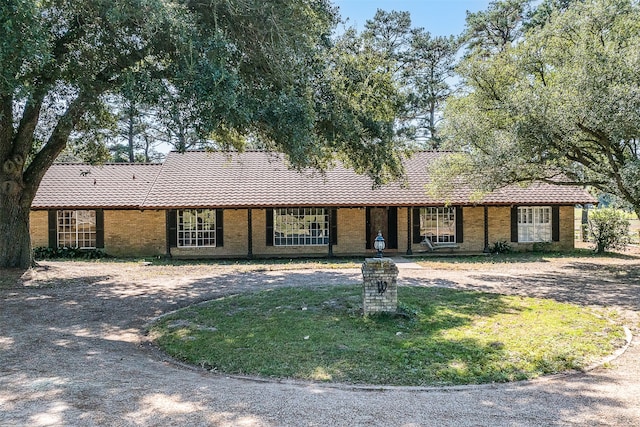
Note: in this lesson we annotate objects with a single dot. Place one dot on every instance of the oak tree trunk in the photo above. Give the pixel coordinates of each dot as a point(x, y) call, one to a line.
point(15, 203)
point(15, 242)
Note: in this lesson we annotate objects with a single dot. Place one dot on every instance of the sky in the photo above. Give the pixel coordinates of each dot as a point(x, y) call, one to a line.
point(439, 17)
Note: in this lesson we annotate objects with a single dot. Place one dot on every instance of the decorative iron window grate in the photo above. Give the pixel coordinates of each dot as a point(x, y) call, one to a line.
point(196, 228)
point(300, 227)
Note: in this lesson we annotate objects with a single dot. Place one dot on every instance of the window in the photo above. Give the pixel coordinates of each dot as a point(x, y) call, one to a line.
point(300, 227)
point(438, 224)
point(196, 227)
point(76, 229)
point(534, 224)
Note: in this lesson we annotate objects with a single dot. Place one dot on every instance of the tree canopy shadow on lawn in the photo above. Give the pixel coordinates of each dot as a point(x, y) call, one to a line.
point(612, 285)
point(521, 257)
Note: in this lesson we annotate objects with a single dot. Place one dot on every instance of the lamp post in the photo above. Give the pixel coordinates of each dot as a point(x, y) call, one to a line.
point(379, 245)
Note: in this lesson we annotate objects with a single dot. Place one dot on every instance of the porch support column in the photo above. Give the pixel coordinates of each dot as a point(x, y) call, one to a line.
point(409, 232)
point(330, 225)
point(249, 233)
point(486, 229)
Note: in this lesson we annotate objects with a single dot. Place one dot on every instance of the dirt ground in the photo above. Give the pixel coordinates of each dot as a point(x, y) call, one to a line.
point(73, 351)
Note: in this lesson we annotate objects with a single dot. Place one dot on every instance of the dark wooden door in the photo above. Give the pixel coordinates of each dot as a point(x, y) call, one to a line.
point(384, 220)
point(379, 221)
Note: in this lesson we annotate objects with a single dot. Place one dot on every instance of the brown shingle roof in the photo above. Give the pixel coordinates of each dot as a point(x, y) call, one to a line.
point(256, 179)
point(118, 185)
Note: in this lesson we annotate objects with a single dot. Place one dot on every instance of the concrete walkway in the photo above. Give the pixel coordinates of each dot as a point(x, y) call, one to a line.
point(73, 352)
point(405, 264)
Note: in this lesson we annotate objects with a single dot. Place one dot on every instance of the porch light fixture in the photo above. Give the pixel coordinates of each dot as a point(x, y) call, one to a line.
point(379, 245)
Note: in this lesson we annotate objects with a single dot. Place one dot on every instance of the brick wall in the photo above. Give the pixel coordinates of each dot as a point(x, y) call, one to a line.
point(402, 230)
point(473, 229)
point(134, 233)
point(235, 232)
point(351, 239)
point(143, 233)
point(39, 228)
point(351, 226)
point(499, 224)
point(567, 219)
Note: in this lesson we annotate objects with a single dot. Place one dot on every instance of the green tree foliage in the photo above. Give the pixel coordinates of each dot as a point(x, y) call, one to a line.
point(540, 15)
point(609, 229)
point(496, 28)
point(248, 70)
point(135, 135)
point(362, 100)
point(390, 35)
point(560, 104)
point(421, 66)
point(433, 60)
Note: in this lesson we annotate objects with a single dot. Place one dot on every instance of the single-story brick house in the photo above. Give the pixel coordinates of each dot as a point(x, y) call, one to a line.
point(202, 204)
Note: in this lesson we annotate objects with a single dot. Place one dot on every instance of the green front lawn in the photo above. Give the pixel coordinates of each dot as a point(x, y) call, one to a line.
point(440, 337)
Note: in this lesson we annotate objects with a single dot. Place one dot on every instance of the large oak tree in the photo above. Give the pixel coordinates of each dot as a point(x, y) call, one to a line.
point(250, 70)
point(558, 103)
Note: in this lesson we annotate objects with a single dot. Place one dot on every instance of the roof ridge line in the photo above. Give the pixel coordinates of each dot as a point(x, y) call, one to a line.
point(253, 150)
point(108, 164)
point(146, 196)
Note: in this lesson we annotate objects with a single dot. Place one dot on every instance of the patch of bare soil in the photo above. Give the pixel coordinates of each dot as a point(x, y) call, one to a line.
point(73, 350)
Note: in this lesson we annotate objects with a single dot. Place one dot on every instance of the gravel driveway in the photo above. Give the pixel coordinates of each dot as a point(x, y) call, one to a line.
point(73, 352)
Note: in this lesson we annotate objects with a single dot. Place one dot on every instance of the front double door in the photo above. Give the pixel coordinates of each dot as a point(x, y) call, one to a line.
point(384, 219)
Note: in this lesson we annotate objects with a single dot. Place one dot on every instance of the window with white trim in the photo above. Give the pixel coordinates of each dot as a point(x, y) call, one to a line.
point(438, 224)
point(534, 224)
point(76, 229)
point(196, 228)
point(300, 227)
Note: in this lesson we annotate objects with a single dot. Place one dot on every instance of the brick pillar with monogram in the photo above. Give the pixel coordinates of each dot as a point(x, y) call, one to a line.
point(380, 288)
